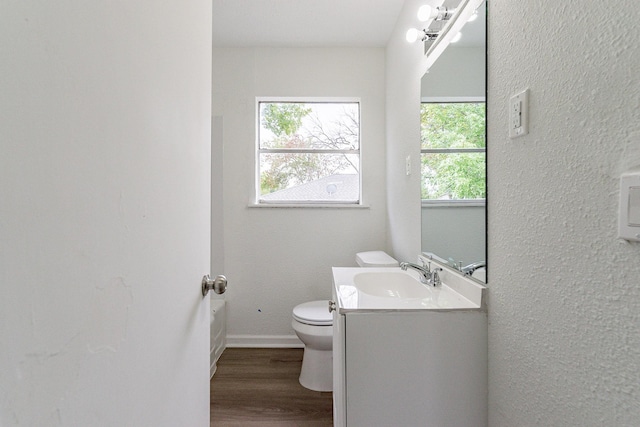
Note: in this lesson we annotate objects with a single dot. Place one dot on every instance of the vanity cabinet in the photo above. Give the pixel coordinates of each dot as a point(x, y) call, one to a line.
point(409, 367)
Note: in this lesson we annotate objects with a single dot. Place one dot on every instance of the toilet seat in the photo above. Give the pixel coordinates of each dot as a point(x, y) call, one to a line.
point(313, 313)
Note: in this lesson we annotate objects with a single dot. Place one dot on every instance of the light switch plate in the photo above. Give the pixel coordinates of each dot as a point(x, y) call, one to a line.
point(519, 114)
point(629, 211)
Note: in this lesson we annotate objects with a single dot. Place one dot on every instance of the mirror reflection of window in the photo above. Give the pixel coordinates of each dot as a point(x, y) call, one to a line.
point(453, 146)
point(453, 151)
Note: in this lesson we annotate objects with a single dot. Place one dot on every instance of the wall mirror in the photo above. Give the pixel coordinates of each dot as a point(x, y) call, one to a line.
point(453, 151)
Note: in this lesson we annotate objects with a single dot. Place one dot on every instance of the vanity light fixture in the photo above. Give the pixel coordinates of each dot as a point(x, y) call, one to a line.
point(413, 34)
point(442, 26)
point(429, 14)
point(424, 35)
point(426, 12)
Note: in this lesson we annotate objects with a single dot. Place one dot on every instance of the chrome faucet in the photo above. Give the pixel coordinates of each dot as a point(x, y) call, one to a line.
point(425, 271)
point(427, 276)
point(469, 269)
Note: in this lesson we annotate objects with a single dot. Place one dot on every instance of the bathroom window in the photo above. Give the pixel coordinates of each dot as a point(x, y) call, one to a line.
point(453, 152)
point(308, 152)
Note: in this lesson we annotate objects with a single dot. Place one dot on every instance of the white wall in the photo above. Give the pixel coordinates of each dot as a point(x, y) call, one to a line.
point(564, 346)
point(276, 258)
point(456, 232)
point(104, 212)
point(405, 67)
point(458, 72)
point(404, 70)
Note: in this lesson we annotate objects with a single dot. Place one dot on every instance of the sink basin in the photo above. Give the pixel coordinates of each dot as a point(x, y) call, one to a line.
point(393, 284)
point(370, 289)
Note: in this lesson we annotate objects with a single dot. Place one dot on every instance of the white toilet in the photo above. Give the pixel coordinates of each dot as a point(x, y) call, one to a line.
point(313, 324)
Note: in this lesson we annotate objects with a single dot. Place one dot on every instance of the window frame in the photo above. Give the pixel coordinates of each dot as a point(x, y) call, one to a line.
point(453, 202)
point(257, 200)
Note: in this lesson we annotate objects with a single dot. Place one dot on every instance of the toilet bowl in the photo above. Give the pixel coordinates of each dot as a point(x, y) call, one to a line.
point(313, 324)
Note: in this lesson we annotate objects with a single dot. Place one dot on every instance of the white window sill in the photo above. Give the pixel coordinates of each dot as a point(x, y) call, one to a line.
point(310, 205)
point(453, 203)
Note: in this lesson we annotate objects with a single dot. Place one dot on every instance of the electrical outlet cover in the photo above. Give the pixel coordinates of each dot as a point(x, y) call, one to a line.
point(629, 210)
point(519, 114)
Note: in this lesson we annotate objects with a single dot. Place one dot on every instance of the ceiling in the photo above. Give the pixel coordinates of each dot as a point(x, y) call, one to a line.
point(304, 23)
point(317, 23)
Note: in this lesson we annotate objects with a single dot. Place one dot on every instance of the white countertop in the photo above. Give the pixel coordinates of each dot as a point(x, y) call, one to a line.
point(441, 298)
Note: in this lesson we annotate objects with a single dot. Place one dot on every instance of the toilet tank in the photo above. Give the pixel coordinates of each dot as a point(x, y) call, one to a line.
point(375, 259)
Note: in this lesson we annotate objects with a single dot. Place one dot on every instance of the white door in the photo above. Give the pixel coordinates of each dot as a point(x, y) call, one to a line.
point(104, 212)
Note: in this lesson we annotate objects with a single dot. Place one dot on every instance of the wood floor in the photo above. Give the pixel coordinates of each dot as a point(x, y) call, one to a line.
point(259, 387)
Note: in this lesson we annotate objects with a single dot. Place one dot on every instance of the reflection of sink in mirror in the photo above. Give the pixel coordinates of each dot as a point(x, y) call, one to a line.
point(392, 284)
point(480, 274)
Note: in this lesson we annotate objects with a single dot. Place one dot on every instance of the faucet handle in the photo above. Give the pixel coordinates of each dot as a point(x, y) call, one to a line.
point(426, 264)
point(435, 277)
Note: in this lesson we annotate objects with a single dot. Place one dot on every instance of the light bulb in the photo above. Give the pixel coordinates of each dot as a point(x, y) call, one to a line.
point(456, 38)
point(426, 12)
point(412, 35)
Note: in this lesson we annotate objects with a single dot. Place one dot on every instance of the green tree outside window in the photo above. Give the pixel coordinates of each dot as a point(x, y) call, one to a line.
point(302, 142)
point(453, 151)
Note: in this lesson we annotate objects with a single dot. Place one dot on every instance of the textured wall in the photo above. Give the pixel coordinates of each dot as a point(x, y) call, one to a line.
point(564, 340)
point(276, 258)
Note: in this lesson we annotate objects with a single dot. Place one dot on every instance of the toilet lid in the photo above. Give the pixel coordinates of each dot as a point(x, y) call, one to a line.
point(313, 313)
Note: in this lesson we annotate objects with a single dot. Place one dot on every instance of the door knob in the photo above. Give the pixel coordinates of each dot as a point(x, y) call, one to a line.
point(219, 284)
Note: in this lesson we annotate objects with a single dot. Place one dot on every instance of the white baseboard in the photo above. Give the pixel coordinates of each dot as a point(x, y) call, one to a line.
point(214, 355)
point(264, 341)
point(212, 370)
